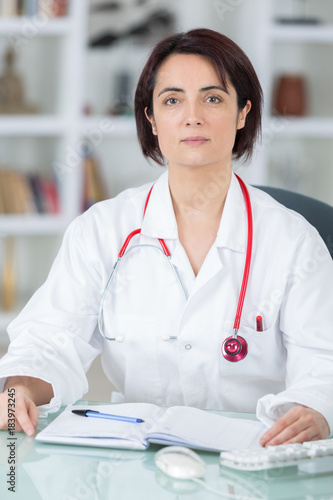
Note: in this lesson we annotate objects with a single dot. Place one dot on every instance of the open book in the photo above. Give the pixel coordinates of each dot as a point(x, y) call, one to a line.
point(180, 425)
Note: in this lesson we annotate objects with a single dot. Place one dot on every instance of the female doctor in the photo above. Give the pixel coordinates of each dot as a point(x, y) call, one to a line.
point(223, 297)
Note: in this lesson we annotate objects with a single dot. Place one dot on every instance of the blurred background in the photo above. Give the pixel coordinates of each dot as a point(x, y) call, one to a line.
point(68, 72)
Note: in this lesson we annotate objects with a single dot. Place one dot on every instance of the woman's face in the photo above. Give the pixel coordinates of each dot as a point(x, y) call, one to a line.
point(194, 117)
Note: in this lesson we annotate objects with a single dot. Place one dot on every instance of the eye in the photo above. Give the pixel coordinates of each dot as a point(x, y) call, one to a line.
point(170, 101)
point(214, 99)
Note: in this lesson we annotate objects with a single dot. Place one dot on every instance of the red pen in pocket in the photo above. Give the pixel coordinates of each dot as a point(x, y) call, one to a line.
point(259, 324)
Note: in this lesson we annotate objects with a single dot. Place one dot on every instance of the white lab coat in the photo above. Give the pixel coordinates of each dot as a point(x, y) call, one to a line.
point(290, 284)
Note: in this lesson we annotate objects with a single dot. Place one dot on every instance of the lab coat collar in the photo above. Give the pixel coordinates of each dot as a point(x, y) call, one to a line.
point(233, 228)
point(160, 220)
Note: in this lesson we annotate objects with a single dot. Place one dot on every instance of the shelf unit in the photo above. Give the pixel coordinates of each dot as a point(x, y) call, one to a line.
point(311, 127)
point(29, 26)
point(41, 141)
point(63, 125)
point(38, 126)
point(313, 34)
point(289, 142)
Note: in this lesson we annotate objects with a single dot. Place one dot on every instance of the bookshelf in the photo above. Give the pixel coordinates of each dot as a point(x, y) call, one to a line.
point(297, 151)
point(39, 142)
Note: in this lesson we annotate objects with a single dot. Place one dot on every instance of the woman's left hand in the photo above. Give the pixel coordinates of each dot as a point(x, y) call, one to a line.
point(299, 424)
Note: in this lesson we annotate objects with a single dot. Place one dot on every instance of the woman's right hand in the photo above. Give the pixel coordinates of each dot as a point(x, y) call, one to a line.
point(16, 401)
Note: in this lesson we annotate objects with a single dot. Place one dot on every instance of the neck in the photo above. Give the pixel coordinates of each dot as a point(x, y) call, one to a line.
point(199, 194)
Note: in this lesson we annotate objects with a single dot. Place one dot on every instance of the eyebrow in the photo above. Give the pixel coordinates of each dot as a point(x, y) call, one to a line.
point(204, 89)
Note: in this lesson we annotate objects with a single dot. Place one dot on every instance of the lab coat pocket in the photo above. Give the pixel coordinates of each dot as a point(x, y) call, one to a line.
point(266, 352)
point(262, 370)
point(142, 377)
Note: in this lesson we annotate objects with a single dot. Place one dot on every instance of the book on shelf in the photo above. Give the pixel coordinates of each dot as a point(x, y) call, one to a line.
point(60, 8)
point(8, 8)
point(30, 8)
point(94, 189)
point(8, 275)
point(27, 193)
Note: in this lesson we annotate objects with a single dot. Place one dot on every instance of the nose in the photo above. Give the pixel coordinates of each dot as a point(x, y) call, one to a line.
point(193, 114)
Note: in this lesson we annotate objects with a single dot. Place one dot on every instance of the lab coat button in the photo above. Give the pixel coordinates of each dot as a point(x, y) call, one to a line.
point(188, 347)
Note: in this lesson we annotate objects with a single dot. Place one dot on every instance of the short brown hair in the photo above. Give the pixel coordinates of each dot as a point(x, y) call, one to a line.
point(229, 61)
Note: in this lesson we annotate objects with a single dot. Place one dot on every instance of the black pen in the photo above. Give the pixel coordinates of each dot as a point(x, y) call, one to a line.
point(97, 414)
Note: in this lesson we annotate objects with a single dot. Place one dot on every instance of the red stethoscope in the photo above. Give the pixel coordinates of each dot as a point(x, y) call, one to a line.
point(234, 348)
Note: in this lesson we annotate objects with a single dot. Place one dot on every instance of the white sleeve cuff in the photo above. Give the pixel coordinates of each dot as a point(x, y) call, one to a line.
point(271, 407)
point(44, 410)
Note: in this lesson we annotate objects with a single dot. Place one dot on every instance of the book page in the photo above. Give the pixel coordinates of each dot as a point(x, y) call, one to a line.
point(69, 428)
point(205, 430)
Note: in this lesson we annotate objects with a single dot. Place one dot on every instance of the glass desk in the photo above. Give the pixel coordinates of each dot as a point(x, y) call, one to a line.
point(58, 472)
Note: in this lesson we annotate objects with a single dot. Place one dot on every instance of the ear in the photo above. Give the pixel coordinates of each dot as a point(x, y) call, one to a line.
point(152, 122)
point(242, 115)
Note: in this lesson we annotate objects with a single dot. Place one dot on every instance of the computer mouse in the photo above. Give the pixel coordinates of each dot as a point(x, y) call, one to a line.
point(180, 462)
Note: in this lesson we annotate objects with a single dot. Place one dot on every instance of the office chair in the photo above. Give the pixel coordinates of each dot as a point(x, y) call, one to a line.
point(319, 214)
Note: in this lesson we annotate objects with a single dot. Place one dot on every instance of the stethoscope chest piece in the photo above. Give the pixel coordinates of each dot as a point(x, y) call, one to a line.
point(234, 348)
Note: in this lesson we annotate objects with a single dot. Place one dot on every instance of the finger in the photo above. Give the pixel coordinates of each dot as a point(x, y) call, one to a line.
point(281, 434)
point(33, 413)
point(288, 419)
point(295, 433)
point(24, 421)
point(304, 436)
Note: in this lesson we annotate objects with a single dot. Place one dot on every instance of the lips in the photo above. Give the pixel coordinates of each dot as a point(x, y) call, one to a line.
point(195, 141)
